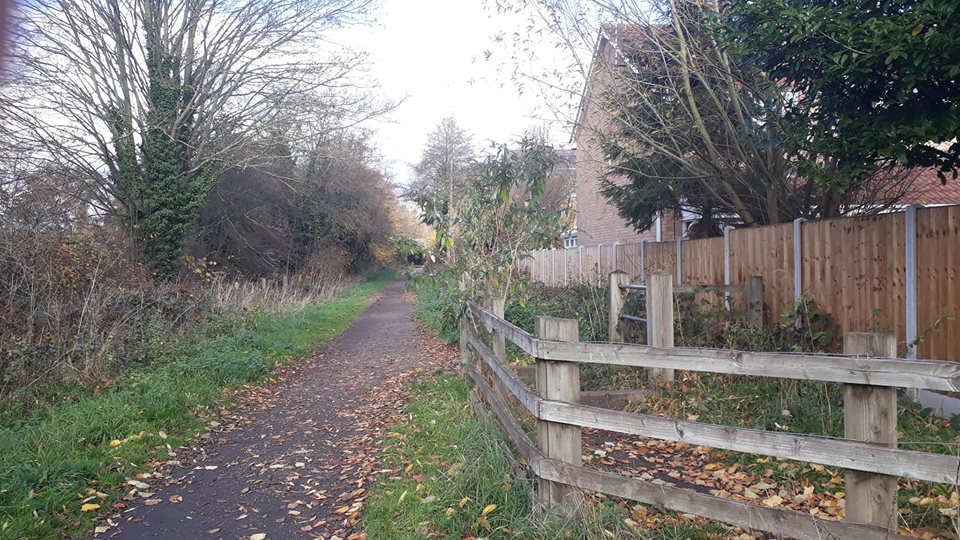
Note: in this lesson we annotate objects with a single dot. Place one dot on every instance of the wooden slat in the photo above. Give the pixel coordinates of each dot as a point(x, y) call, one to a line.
point(833, 452)
point(527, 397)
point(853, 268)
point(768, 252)
point(661, 257)
point(509, 424)
point(701, 261)
point(707, 288)
point(514, 333)
point(938, 281)
point(928, 374)
point(753, 516)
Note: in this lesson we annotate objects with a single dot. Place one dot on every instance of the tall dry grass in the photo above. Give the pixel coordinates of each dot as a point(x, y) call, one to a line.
point(77, 308)
point(290, 291)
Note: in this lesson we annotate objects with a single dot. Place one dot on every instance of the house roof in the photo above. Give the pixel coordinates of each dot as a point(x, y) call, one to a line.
point(927, 189)
point(623, 39)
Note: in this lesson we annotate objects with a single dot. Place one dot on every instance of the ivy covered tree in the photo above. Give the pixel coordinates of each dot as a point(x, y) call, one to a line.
point(873, 79)
point(151, 100)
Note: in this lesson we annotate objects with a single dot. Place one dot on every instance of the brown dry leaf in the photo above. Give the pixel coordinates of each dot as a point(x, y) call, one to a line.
point(152, 502)
point(773, 501)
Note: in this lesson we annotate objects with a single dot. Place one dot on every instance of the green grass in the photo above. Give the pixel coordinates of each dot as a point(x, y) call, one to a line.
point(438, 306)
point(445, 457)
point(448, 466)
point(52, 459)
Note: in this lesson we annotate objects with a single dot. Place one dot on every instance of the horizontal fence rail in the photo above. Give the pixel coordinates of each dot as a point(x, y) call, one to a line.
point(761, 518)
point(922, 374)
point(875, 371)
point(893, 271)
point(880, 460)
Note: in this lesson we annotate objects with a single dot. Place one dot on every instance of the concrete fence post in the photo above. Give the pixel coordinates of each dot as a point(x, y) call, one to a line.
point(870, 415)
point(660, 315)
point(558, 381)
point(643, 262)
point(726, 265)
point(679, 251)
point(797, 265)
point(910, 260)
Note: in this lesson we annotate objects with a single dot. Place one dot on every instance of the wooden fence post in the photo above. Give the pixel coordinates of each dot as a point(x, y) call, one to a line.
point(617, 297)
point(870, 415)
point(558, 381)
point(498, 344)
point(464, 328)
point(660, 315)
point(754, 297)
point(464, 338)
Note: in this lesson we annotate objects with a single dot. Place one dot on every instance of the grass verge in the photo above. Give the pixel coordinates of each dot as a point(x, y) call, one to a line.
point(65, 463)
point(452, 479)
point(451, 468)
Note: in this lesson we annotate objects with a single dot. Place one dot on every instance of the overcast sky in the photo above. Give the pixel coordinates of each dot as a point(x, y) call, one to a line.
point(431, 54)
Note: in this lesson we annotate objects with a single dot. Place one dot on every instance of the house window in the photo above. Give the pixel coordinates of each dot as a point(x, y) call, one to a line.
point(570, 241)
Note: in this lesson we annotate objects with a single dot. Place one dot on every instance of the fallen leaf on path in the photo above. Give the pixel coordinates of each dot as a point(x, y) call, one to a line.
point(773, 501)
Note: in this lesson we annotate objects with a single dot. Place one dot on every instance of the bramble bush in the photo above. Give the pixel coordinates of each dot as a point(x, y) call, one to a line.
point(76, 309)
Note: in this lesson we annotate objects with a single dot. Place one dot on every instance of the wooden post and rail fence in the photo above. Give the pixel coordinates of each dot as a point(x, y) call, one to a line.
point(896, 272)
point(868, 370)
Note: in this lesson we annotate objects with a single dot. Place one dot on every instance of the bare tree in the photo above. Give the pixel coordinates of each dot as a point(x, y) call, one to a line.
point(151, 99)
point(444, 165)
point(682, 126)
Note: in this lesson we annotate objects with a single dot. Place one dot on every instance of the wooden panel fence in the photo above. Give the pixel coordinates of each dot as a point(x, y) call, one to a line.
point(868, 451)
point(895, 272)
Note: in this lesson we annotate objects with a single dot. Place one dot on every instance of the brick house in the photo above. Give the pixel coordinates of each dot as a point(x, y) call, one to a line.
point(597, 221)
